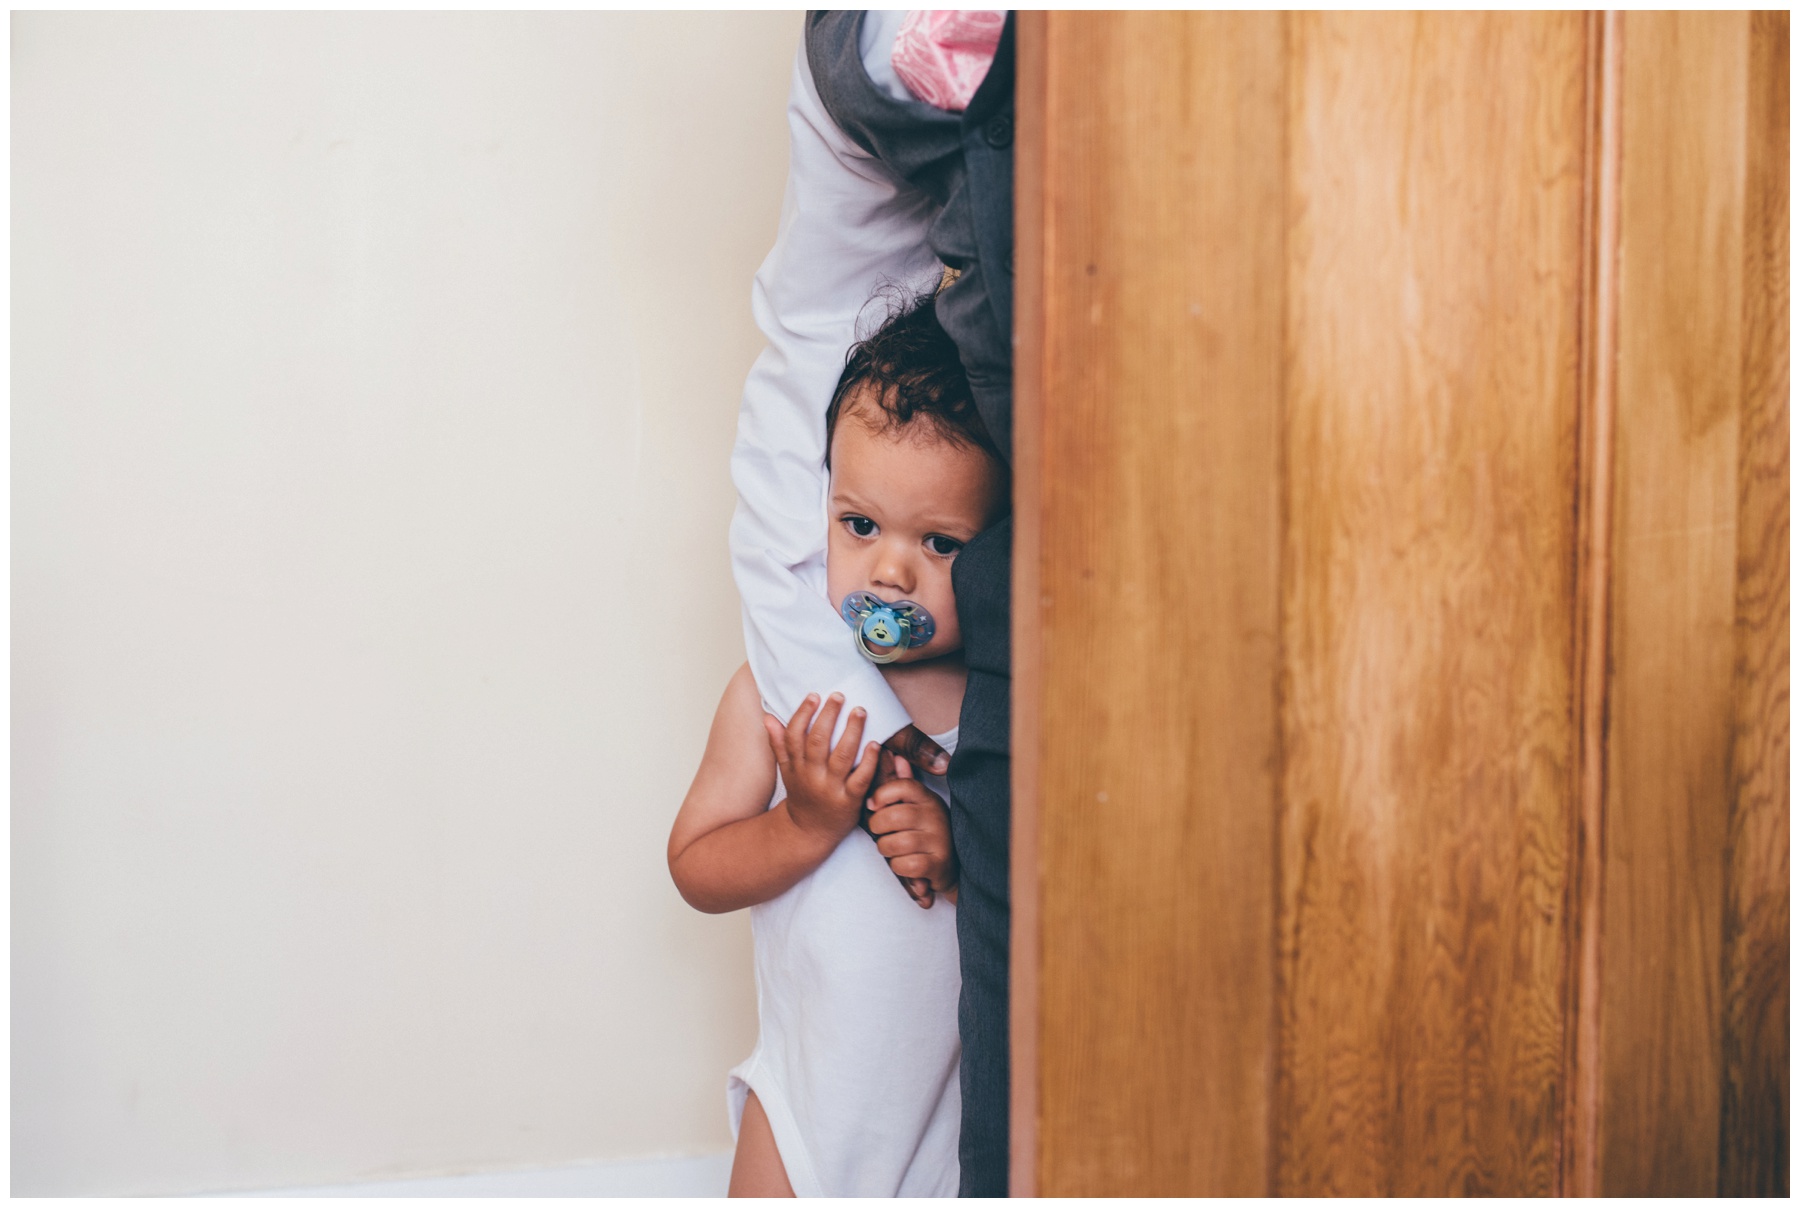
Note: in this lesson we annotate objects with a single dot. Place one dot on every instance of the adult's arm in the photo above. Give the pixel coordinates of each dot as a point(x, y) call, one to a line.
point(847, 229)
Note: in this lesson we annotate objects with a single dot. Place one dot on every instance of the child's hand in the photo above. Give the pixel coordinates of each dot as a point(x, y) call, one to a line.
point(917, 748)
point(824, 791)
point(912, 831)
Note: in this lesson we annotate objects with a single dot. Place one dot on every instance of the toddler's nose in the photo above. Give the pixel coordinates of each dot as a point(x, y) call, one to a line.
point(892, 574)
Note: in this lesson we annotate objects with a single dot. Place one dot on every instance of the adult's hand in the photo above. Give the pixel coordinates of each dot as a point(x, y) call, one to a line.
point(915, 746)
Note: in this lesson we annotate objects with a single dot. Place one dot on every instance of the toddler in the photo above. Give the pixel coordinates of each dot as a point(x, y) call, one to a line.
point(853, 1088)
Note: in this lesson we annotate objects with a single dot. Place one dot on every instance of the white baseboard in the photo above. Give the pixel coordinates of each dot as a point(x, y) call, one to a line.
point(659, 1177)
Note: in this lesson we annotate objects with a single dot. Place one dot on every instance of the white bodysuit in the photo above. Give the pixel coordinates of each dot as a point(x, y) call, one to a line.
point(856, 1054)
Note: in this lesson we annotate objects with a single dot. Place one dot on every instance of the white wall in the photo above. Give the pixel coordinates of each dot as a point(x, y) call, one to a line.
point(374, 378)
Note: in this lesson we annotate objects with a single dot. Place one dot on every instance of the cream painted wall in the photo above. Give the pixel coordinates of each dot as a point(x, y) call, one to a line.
point(374, 378)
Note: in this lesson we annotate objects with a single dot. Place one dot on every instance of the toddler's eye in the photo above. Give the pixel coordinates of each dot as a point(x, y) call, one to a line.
point(862, 526)
point(942, 546)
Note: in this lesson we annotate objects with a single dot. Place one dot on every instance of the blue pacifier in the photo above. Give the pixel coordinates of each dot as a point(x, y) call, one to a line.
point(884, 631)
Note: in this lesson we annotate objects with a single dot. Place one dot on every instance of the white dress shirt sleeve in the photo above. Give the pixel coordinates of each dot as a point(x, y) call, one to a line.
point(847, 229)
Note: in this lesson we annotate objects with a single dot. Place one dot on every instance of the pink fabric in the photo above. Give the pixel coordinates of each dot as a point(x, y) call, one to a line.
point(943, 56)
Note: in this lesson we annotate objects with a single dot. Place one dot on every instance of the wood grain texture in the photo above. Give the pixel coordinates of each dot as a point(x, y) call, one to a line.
point(1402, 603)
point(1753, 1120)
point(1030, 150)
point(1579, 1164)
point(1434, 299)
point(1674, 556)
point(1156, 610)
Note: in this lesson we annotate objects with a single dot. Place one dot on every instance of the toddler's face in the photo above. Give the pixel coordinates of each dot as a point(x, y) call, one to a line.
point(902, 505)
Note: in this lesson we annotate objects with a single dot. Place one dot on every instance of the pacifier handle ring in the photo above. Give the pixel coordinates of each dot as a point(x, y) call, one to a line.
point(898, 649)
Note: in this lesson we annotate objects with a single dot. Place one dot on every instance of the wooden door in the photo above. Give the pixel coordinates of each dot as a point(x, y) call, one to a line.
point(1401, 604)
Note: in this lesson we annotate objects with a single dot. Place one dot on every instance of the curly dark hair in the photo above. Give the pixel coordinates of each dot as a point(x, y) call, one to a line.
point(914, 373)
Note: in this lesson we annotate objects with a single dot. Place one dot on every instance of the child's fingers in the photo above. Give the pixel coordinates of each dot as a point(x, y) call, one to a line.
point(845, 752)
point(777, 736)
point(857, 783)
point(905, 816)
point(796, 727)
point(896, 791)
point(902, 770)
point(912, 865)
point(919, 889)
point(884, 766)
point(906, 843)
point(818, 738)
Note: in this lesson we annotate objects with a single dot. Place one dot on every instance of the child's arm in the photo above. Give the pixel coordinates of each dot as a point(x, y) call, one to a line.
point(726, 851)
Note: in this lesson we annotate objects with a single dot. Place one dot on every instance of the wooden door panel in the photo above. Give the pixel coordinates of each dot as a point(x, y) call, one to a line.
point(1753, 1112)
point(1400, 624)
point(1434, 269)
point(1674, 553)
point(1147, 430)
